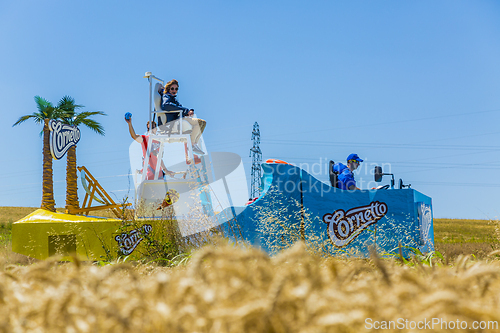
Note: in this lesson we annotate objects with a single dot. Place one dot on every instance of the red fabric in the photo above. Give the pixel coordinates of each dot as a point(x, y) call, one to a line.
point(251, 201)
point(273, 160)
point(153, 159)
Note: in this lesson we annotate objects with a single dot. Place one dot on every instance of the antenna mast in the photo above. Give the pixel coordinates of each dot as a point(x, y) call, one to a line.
point(256, 155)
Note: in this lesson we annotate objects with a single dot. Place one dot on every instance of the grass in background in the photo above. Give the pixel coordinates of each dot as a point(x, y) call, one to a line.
point(454, 237)
point(13, 214)
point(465, 231)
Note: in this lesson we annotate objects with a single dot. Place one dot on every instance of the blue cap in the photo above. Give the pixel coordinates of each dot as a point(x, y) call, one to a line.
point(354, 157)
point(128, 115)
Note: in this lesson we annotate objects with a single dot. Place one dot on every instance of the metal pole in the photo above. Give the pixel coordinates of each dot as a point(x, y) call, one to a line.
point(150, 101)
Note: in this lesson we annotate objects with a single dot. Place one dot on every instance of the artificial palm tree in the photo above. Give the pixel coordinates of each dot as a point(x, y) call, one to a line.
point(46, 112)
point(70, 116)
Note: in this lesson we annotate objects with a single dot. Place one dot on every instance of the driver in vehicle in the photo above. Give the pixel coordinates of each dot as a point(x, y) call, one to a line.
point(346, 179)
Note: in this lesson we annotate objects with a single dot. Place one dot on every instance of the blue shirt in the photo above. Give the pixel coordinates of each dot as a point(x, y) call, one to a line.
point(170, 103)
point(345, 177)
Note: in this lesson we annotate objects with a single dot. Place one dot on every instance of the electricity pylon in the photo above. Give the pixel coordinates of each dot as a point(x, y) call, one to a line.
point(256, 155)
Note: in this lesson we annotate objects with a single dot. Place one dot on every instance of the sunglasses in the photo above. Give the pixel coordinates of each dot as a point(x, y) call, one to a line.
point(354, 161)
point(172, 88)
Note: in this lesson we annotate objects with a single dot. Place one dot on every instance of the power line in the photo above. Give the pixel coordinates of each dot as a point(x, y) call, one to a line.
point(456, 184)
point(381, 145)
point(387, 122)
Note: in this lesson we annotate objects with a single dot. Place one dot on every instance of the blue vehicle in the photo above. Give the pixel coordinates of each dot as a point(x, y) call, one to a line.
point(296, 206)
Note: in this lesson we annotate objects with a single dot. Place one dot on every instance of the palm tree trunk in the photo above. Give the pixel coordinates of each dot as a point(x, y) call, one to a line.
point(71, 180)
point(48, 202)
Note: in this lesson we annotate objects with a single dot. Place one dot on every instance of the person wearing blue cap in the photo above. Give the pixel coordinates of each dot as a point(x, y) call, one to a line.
point(346, 179)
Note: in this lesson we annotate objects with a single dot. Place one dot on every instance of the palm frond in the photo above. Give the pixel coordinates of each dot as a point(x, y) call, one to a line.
point(68, 108)
point(46, 109)
point(87, 114)
point(93, 125)
point(37, 117)
point(70, 116)
point(84, 118)
point(67, 103)
point(66, 111)
point(42, 104)
point(66, 100)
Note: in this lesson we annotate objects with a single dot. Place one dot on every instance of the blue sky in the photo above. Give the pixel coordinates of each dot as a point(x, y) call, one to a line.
point(414, 85)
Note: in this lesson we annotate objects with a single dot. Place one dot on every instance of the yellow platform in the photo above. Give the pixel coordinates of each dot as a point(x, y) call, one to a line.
point(42, 234)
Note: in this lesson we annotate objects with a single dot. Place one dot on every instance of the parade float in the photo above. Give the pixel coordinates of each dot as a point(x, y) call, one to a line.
point(206, 194)
point(294, 206)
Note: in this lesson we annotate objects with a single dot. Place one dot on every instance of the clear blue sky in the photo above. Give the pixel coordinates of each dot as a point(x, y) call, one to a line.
point(415, 84)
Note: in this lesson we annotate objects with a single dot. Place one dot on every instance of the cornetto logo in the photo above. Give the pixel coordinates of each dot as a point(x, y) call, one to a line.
point(62, 138)
point(344, 227)
point(129, 241)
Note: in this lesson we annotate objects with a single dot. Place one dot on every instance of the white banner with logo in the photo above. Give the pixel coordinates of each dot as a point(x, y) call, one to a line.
point(62, 137)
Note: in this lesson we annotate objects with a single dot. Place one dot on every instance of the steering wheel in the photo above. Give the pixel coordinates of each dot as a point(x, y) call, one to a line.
point(385, 187)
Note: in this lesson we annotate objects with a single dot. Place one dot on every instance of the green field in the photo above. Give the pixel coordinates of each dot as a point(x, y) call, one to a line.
point(475, 237)
point(452, 237)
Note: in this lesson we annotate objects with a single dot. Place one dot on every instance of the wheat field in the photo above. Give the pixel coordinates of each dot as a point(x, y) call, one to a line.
point(235, 288)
